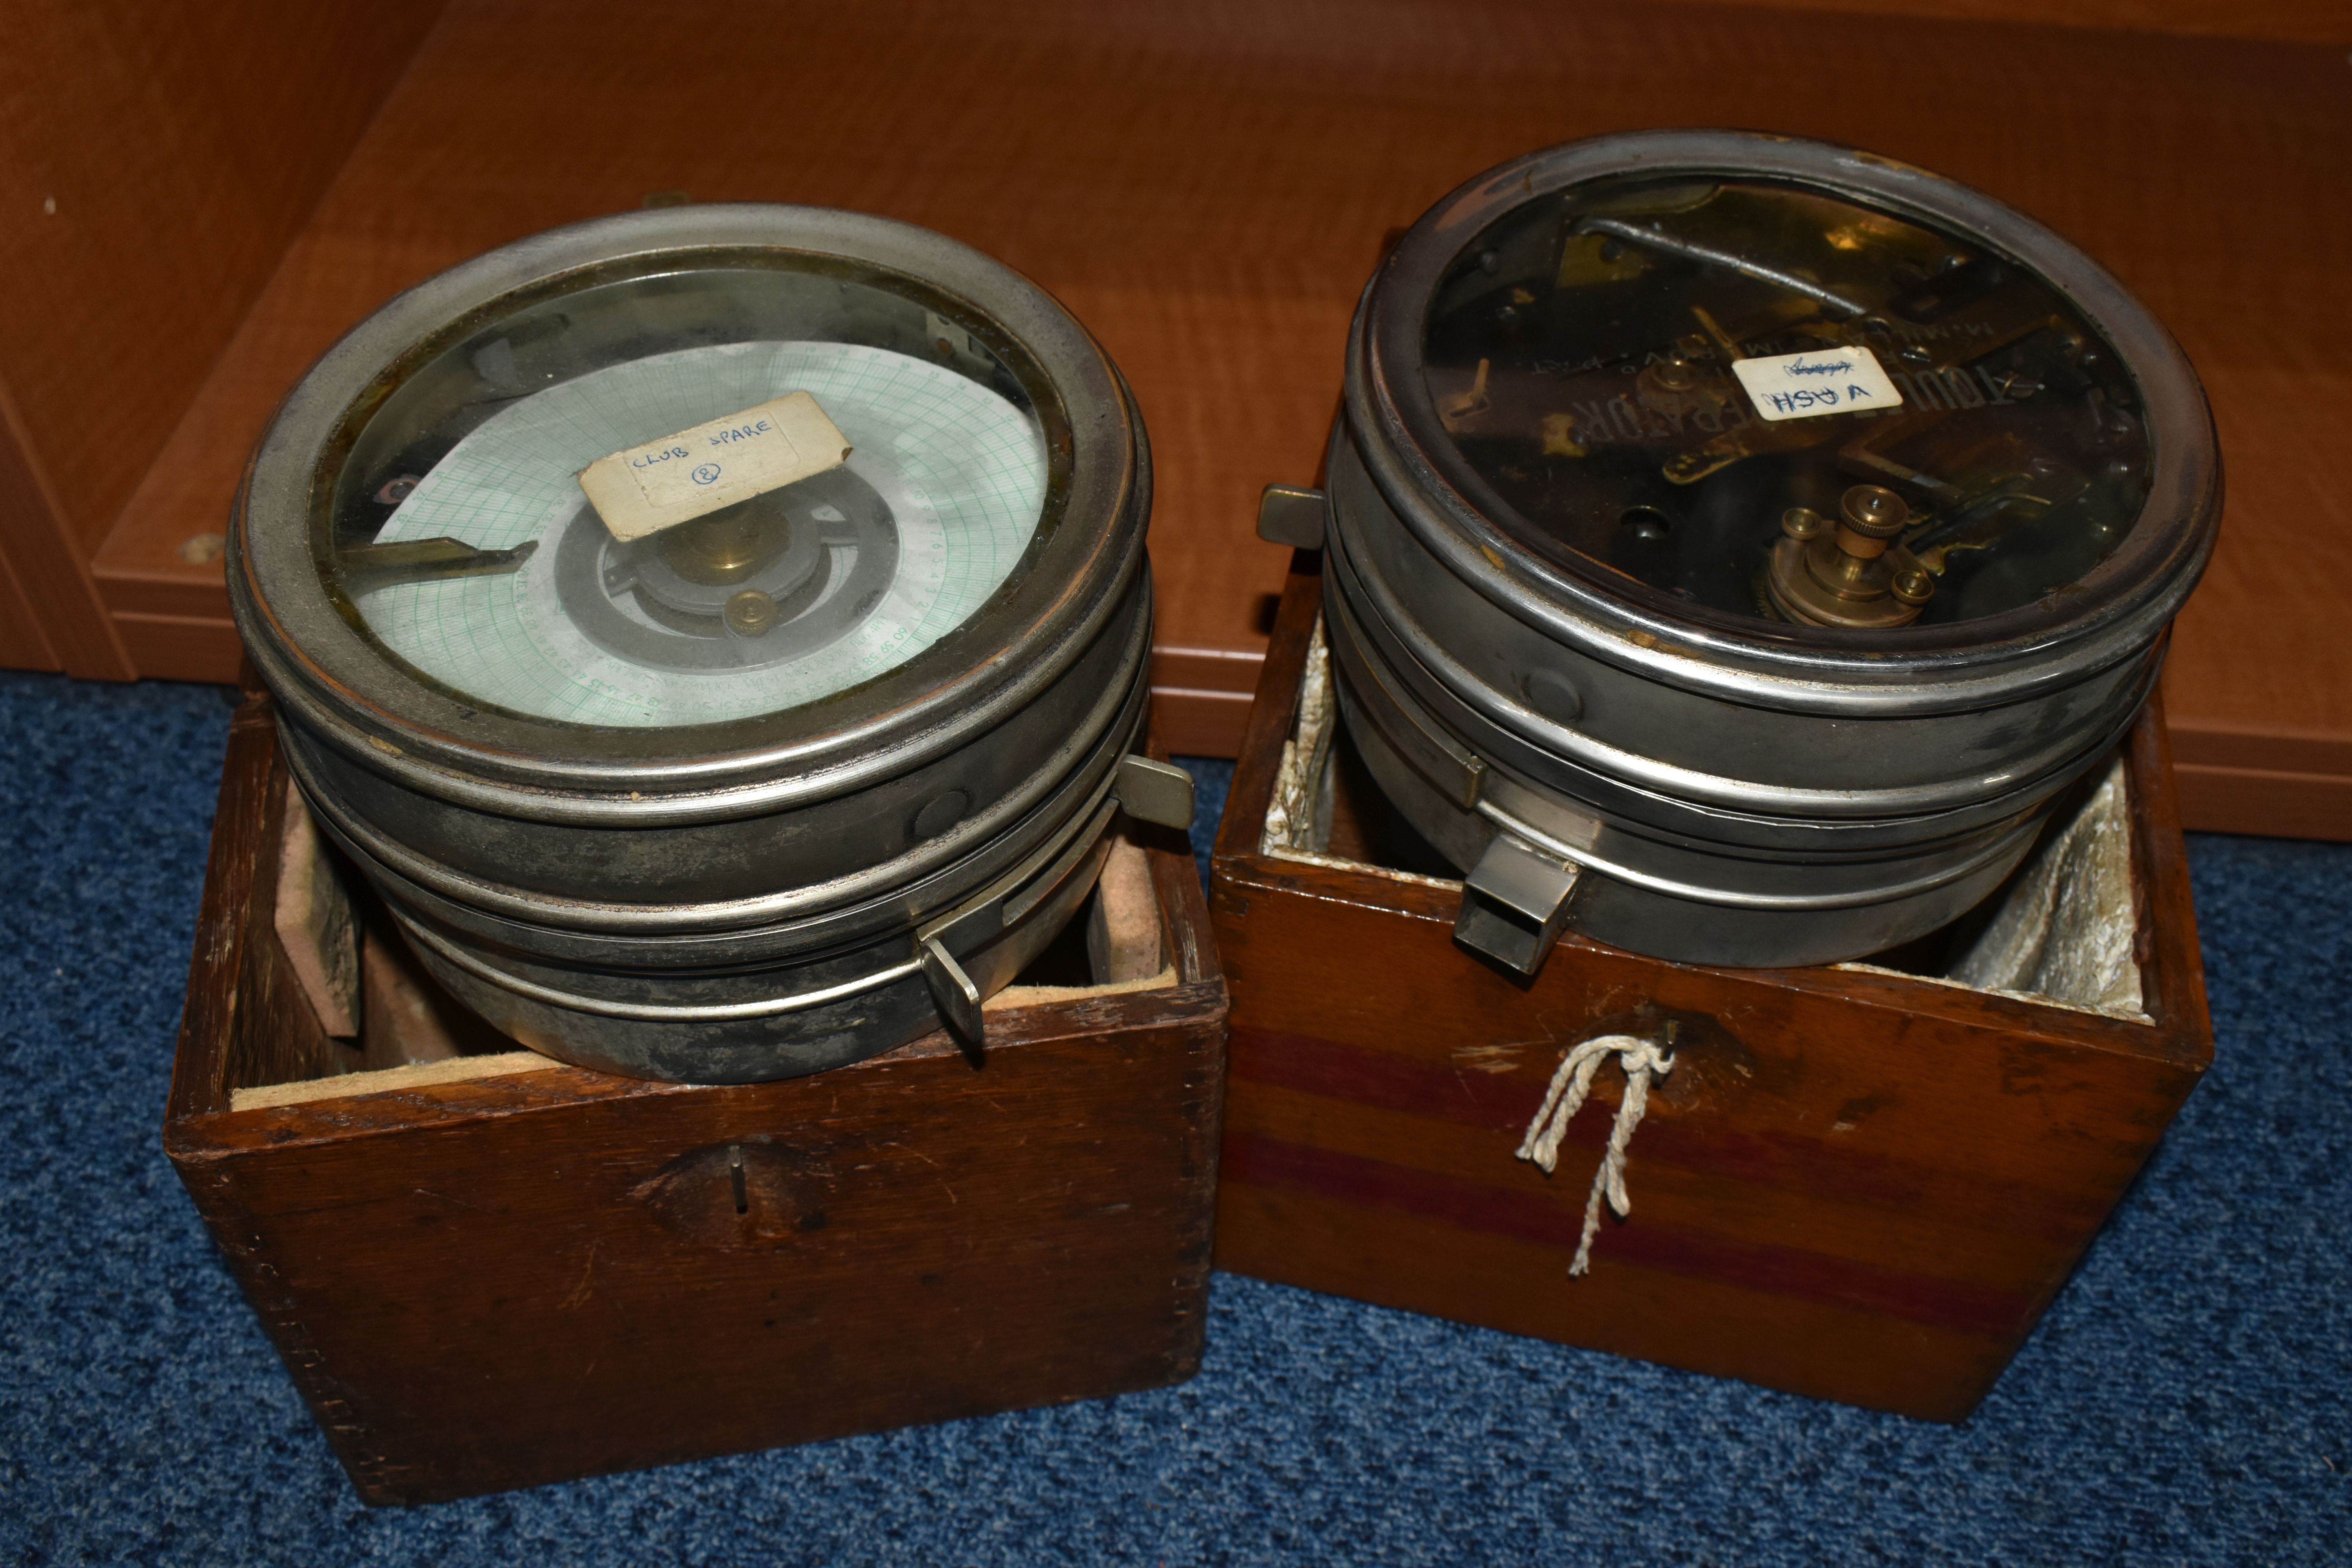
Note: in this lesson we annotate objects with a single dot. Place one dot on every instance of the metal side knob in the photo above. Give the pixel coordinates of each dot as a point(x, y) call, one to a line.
point(1289, 515)
point(952, 989)
point(1155, 791)
point(1515, 904)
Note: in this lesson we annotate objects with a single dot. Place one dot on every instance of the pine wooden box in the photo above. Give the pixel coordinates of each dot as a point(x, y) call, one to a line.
point(1857, 1185)
point(495, 1271)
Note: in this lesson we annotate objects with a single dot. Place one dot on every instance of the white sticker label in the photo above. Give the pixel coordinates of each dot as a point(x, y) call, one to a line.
point(679, 478)
point(1818, 381)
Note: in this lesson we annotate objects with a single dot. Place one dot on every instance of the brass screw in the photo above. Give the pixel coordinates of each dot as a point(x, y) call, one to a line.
point(1875, 511)
point(1802, 522)
point(751, 613)
point(1914, 586)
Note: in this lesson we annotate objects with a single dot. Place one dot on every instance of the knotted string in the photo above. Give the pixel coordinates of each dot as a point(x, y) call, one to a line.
point(1643, 1060)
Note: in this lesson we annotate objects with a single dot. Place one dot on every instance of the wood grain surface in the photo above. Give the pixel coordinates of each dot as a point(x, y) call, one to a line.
point(24, 644)
point(1207, 188)
point(2297, 21)
point(46, 578)
point(499, 1277)
point(1857, 1185)
point(155, 160)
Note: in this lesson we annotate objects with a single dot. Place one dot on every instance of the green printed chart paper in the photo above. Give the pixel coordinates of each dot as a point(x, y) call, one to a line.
point(961, 470)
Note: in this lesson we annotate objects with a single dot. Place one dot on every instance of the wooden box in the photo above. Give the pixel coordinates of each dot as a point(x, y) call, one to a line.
point(1857, 1183)
point(492, 1270)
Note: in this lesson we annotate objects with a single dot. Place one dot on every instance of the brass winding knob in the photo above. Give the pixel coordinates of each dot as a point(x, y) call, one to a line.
point(1852, 574)
point(1874, 511)
point(751, 613)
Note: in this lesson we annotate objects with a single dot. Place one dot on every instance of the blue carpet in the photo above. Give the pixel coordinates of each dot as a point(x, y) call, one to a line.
point(2184, 1401)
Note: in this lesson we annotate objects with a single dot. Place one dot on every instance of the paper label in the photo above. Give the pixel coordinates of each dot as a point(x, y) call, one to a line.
point(679, 478)
point(1818, 381)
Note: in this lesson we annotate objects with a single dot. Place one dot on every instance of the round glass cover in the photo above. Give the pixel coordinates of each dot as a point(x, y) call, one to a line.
point(459, 537)
point(1780, 404)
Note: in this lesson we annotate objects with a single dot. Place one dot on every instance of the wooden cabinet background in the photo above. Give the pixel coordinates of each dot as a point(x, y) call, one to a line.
point(198, 200)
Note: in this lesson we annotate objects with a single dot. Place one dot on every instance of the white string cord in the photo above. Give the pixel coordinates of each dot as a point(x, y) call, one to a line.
point(1643, 1060)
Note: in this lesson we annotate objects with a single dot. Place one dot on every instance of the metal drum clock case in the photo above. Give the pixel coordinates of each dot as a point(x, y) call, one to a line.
point(1737, 545)
point(765, 792)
